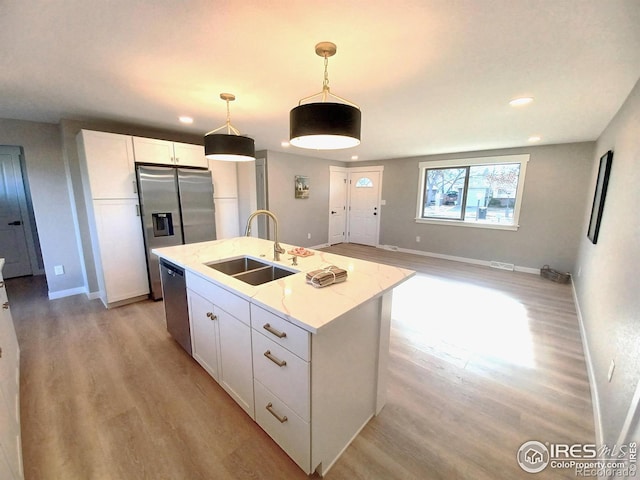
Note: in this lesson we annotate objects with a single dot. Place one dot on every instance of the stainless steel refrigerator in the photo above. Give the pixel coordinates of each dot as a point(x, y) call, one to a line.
point(176, 208)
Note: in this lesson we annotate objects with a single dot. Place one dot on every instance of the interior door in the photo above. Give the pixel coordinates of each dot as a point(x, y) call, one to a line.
point(13, 240)
point(337, 205)
point(364, 208)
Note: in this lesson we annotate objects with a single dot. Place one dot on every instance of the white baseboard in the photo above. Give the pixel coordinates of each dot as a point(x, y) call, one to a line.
point(66, 293)
point(597, 418)
point(486, 263)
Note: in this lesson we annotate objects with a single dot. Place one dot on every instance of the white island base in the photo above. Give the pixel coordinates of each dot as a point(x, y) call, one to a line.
point(348, 374)
point(309, 365)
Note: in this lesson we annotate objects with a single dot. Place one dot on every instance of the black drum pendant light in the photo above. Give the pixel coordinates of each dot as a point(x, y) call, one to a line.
point(230, 146)
point(325, 125)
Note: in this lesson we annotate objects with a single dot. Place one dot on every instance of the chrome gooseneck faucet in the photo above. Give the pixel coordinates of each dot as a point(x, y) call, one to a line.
point(277, 249)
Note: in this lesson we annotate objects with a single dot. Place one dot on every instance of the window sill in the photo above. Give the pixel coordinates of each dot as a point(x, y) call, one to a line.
point(460, 223)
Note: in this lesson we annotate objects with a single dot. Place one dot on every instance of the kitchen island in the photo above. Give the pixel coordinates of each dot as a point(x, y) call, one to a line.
point(308, 364)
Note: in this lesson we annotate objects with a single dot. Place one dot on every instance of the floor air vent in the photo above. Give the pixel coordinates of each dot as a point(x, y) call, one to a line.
point(502, 265)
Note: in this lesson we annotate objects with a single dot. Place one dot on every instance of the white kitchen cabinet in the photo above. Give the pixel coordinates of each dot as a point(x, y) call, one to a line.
point(164, 152)
point(227, 221)
point(106, 161)
point(225, 178)
point(233, 332)
point(204, 334)
point(10, 441)
point(118, 247)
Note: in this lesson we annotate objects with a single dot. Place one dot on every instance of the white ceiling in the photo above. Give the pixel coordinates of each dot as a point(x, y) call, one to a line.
point(431, 76)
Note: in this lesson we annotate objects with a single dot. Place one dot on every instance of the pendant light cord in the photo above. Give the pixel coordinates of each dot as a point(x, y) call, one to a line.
point(230, 128)
point(326, 92)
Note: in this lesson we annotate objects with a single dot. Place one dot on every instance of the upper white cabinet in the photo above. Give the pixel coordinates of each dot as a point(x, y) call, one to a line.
point(10, 441)
point(151, 150)
point(106, 160)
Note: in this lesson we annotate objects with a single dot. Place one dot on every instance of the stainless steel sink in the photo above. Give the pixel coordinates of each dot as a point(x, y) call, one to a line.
point(237, 265)
point(262, 275)
point(250, 270)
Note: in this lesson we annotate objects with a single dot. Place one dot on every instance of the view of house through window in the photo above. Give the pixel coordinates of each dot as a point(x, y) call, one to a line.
point(484, 191)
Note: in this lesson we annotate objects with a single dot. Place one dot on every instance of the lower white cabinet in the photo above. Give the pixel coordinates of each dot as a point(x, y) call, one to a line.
point(221, 342)
point(10, 441)
point(204, 334)
point(119, 245)
point(313, 393)
point(235, 360)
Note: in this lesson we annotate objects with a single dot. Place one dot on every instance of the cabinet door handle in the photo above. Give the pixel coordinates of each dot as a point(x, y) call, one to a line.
point(272, 412)
point(1, 284)
point(276, 360)
point(212, 316)
point(135, 187)
point(5, 306)
point(273, 331)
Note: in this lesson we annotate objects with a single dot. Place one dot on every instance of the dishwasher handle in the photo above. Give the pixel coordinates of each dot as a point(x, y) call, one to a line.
point(171, 269)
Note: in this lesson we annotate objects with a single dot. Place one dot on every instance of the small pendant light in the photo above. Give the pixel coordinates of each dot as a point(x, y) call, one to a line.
point(325, 125)
point(227, 146)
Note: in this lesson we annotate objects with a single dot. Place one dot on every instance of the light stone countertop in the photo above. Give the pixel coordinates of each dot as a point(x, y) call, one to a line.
point(290, 297)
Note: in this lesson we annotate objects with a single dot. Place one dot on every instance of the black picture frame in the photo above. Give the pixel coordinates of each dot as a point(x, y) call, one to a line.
point(604, 170)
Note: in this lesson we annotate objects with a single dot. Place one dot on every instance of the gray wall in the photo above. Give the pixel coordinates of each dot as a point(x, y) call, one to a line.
point(299, 217)
point(555, 193)
point(607, 284)
point(49, 190)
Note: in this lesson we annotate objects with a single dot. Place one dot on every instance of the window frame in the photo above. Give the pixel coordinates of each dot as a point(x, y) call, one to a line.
point(521, 159)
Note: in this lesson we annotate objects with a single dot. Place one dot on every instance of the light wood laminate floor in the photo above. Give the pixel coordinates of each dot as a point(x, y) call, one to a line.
point(481, 360)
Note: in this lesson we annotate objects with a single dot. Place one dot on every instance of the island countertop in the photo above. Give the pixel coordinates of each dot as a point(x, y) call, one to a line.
point(290, 297)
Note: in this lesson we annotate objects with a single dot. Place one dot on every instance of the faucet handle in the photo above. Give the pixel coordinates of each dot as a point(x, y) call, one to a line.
point(295, 260)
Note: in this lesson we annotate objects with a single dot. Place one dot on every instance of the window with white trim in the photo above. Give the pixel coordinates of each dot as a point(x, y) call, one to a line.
point(475, 192)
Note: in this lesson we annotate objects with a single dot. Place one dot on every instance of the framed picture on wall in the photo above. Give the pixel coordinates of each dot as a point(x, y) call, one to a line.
point(302, 187)
point(604, 171)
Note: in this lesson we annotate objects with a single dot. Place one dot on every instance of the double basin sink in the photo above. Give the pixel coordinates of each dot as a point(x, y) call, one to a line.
point(250, 270)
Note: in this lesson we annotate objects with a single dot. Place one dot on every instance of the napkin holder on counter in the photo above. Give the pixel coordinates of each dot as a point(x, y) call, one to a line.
point(324, 277)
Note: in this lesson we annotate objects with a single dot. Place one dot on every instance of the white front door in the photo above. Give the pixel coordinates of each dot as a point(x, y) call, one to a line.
point(337, 205)
point(364, 206)
point(13, 243)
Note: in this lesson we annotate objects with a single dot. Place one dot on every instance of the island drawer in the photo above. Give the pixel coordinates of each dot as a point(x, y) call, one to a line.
point(283, 425)
point(284, 333)
point(283, 373)
point(227, 301)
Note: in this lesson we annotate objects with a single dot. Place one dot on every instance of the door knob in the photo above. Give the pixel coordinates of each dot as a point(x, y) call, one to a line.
point(17, 222)
point(333, 212)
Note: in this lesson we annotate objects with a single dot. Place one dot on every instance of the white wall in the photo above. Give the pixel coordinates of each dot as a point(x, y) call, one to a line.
point(608, 285)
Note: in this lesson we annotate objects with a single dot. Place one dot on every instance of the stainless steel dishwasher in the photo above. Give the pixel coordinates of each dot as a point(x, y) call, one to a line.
point(176, 310)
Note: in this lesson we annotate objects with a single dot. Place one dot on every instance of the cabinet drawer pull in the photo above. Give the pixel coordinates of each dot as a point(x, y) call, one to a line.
point(212, 316)
point(272, 412)
point(5, 305)
point(273, 331)
point(277, 361)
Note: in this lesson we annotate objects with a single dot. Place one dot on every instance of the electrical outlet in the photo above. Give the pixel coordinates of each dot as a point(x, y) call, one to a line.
point(612, 367)
point(58, 270)
point(418, 239)
point(308, 236)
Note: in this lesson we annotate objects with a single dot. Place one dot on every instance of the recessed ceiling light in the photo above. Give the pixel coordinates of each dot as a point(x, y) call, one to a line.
point(535, 138)
point(518, 102)
point(284, 143)
point(185, 119)
point(354, 157)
